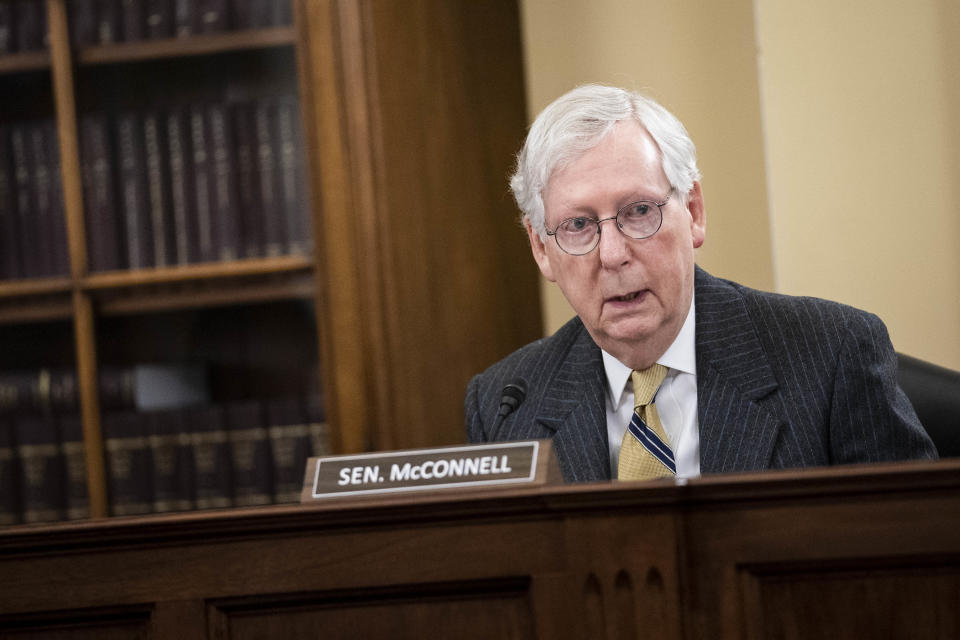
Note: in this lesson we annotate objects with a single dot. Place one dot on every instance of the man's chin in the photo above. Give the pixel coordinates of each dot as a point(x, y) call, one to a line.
point(627, 335)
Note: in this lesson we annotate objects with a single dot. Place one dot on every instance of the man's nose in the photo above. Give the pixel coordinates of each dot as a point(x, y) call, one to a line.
point(612, 247)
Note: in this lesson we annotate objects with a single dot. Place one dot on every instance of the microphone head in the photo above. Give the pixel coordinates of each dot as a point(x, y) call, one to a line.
point(514, 393)
point(516, 388)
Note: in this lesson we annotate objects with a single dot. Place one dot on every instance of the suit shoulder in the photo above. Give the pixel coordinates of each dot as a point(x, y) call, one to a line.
point(805, 319)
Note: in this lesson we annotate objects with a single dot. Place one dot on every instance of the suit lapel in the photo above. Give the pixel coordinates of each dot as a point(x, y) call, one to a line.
point(738, 412)
point(573, 409)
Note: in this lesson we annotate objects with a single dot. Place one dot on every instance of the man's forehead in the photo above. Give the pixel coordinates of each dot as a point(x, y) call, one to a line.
point(625, 163)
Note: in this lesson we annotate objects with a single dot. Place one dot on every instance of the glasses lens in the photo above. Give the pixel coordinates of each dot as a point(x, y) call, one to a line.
point(577, 235)
point(639, 219)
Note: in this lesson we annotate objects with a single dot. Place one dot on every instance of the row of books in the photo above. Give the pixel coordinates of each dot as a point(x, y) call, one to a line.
point(109, 21)
point(23, 23)
point(143, 387)
point(194, 183)
point(33, 231)
point(23, 26)
point(216, 456)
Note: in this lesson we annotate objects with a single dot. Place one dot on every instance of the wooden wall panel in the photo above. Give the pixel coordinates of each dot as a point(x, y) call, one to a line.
point(859, 601)
point(113, 623)
point(481, 610)
point(421, 110)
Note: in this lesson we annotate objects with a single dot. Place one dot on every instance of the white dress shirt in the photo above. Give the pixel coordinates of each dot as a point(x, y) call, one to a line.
point(676, 401)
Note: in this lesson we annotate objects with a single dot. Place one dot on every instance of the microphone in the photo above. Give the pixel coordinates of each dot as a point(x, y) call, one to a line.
point(511, 397)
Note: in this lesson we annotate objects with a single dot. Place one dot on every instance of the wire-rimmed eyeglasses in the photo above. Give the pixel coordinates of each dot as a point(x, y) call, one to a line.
point(638, 220)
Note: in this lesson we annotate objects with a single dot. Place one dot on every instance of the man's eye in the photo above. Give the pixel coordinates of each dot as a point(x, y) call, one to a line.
point(577, 224)
point(637, 210)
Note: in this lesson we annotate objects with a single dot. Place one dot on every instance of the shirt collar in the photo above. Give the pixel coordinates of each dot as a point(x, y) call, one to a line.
point(681, 355)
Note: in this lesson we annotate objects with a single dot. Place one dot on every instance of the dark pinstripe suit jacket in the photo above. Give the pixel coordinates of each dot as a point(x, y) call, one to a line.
point(781, 382)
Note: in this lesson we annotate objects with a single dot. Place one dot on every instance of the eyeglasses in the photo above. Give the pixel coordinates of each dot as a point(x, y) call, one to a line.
point(638, 220)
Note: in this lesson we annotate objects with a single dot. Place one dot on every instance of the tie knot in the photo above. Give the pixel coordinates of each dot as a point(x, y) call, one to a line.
point(646, 383)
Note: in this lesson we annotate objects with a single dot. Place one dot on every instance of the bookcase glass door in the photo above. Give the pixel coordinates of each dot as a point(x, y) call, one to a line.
point(200, 258)
point(42, 466)
point(161, 354)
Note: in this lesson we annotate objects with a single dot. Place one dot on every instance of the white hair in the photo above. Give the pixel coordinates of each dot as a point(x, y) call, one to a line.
point(576, 122)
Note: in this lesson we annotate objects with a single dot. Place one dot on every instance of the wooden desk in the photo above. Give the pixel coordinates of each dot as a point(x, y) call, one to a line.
point(839, 553)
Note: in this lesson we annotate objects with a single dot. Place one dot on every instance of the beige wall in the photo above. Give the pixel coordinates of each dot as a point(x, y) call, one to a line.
point(811, 99)
point(861, 100)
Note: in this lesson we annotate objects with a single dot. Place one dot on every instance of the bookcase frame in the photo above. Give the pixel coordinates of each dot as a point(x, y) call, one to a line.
point(419, 276)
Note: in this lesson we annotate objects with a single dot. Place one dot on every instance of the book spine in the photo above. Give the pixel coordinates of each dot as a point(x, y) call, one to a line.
point(10, 475)
point(184, 18)
point(268, 178)
point(118, 388)
point(248, 193)
point(211, 453)
point(158, 189)
point(250, 454)
point(293, 184)
point(133, 24)
point(281, 13)
point(63, 392)
point(133, 191)
point(180, 186)
point(75, 459)
point(108, 21)
point(26, 216)
point(83, 22)
point(28, 24)
point(41, 461)
point(129, 464)
point(44, 228)
point(262, 13)
point(61, 243)
point(226, 229)
point(44, 26)
point(173, 470)
point(203, 185)
point(214, 16)
point(290, 443)
point(9, 228)
point(15, 392)
point(102, 221)
point(159, 19)
point(240, 16)
point(6, 28)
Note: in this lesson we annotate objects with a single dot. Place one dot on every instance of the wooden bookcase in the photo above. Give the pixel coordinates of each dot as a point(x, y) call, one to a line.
point(419, 277)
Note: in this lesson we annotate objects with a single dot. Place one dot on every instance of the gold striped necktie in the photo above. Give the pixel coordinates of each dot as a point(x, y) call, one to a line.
point(645, 452)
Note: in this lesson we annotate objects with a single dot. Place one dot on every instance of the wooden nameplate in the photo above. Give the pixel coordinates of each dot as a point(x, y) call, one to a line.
point(436, 468)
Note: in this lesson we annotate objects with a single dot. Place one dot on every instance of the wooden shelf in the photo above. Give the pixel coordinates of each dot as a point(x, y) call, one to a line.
point(35, 300)
point(144, 290)
point(195, 272)
point(182, 47)
point(26, 61)
point(170, 296)
point(36, 309)
point(34, 286)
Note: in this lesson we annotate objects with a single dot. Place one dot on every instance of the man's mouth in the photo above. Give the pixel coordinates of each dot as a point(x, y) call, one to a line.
point(626, 297)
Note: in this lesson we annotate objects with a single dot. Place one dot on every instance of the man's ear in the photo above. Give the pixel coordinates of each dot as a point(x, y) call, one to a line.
point(539, 252)
point(698, 215)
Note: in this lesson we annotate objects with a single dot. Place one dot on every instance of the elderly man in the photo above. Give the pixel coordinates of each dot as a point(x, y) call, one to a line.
point(666, 369)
